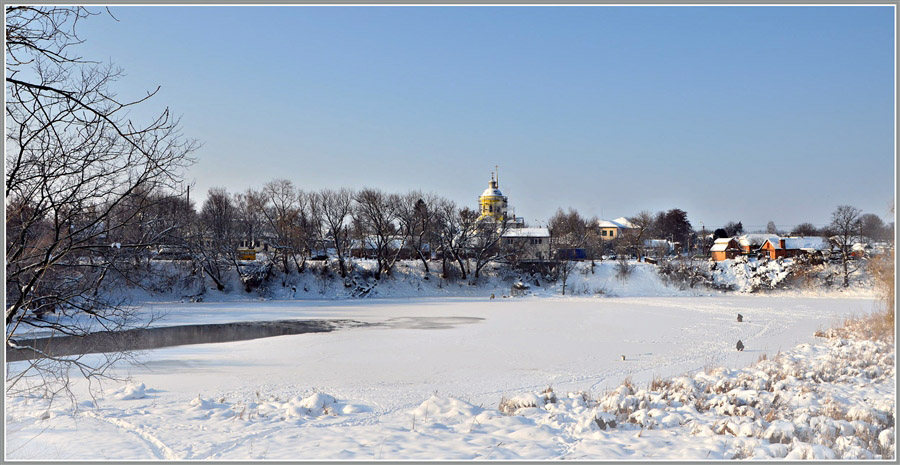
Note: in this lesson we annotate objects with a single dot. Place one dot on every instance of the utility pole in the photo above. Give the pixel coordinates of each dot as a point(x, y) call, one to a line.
point(703, 239)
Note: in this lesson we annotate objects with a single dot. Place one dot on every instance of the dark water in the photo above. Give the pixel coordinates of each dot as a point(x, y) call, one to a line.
point(167, 336)
point(154, 338)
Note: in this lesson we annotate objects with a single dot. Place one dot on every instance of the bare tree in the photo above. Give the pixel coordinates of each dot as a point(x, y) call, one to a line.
point(74, 159)
point(378, 215)
point(568, 232)
point(310, 227)
point(250, 209)
point(214, 238)
point(416, 213)
point(845, 224)
point(334, 207)
point(872, 227)
point(805, 229)
point(643, 222)
point(454, 231)
point(485, 242)
point(283, 212)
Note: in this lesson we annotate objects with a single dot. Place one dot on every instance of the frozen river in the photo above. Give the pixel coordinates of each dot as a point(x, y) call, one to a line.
point(473, 349)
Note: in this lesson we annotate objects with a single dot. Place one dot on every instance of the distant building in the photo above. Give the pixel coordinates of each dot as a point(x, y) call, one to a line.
point(786, 247)
point(247, 249)
point(492, 203)
point(725, 248)
point(527, 244)
point(751, 243)
point(610, 230)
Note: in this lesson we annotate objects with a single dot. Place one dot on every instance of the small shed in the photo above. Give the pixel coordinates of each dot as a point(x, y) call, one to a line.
point(725, 248)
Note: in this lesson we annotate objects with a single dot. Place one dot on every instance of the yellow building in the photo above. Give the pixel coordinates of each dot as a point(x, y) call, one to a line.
point(492, 202)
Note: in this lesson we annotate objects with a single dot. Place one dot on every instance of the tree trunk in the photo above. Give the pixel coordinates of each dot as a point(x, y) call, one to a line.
point(462, 268)
point(424, 261)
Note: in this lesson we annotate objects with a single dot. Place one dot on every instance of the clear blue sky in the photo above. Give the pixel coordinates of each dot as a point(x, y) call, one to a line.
point(730, 113)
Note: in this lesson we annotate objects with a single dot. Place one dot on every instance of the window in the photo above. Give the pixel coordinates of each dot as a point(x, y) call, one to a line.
point(603, 233)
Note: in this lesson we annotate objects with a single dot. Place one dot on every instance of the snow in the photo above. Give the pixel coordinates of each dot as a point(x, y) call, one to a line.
point(757, 239)
point(492, 192)
point(623, 222)
point(721, 244)
point(527, 232)
point(806, 243)
point(429, 380)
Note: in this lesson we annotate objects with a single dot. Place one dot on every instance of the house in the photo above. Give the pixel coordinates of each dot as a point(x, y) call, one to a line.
point(751, 243)
point(805, 244)
point(610, 230)
point(860, 250)
point(248, 248)
point(527, 244)
point(786, 247)
point(725, 248)
point(661, 246)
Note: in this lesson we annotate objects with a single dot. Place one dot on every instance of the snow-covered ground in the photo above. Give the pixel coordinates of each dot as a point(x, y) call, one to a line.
point(427, 383)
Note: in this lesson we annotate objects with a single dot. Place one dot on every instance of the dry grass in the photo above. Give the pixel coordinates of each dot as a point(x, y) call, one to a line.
point(629, 385)
point(882, 269)
point(878, 326)
point(659, 384)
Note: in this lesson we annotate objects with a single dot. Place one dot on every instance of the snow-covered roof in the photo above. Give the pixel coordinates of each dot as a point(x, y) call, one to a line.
point(775, 241)
point(492, 191)
point(527, 232)
point(658, 243)
point(606, 224)
point(805, 243)
point(621, 223)
point(721, 244)
point(756, 239)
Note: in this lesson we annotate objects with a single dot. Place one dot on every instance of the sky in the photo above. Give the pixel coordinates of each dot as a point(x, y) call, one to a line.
point(748, 113)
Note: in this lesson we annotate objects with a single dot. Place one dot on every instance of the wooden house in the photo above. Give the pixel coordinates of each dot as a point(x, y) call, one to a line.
point(751, 243)
point(725, 248)
point(773, 248)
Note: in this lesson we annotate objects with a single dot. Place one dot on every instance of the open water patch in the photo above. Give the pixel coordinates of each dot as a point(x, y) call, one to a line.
point(166, 336)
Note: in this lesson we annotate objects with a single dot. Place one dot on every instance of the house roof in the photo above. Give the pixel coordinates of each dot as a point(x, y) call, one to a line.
point(621, 223)
point(775, 241)
point(624, 222)
point(755, 239)
point(721, 244)
point(805, 243)
point(527, 232)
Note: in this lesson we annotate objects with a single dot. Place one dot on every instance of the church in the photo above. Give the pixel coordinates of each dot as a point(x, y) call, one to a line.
point(529, 244)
